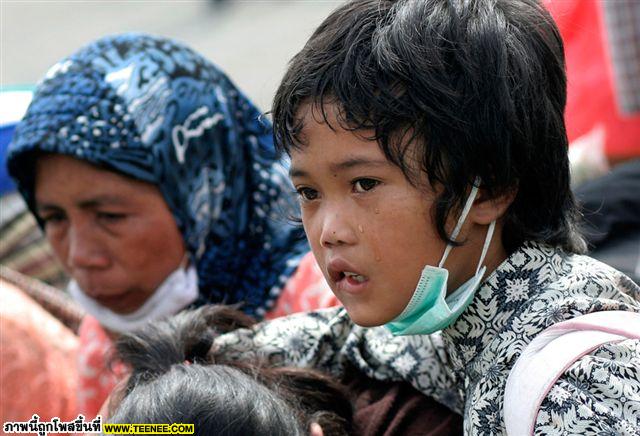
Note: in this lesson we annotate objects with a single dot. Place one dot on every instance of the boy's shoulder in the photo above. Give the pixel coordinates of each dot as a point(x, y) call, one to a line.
point(584, 275)
point(536, 287)
point(555, 273)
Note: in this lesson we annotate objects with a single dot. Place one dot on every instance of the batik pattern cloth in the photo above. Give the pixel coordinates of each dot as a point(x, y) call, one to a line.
point(466, 365)
point(155, 110)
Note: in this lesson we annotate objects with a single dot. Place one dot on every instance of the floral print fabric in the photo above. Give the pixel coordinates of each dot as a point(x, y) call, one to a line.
point(466, 365)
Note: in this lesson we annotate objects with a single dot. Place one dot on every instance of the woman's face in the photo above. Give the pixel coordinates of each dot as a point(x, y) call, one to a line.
point(114, 235)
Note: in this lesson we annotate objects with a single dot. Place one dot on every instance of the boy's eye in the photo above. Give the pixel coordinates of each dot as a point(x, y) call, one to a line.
point(364, 185)
point(307, 194)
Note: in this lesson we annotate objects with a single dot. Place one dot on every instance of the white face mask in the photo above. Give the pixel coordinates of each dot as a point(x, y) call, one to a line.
point(430, 309)
point(177, 291)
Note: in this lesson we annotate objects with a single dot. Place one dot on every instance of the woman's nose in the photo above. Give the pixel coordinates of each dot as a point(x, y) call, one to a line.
point(85, 249)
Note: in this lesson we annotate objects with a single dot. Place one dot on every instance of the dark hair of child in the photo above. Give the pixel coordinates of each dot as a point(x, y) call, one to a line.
point(175, 379)
point(480, 86)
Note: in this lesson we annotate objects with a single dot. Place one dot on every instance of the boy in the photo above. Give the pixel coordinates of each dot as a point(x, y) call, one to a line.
point(417, 130)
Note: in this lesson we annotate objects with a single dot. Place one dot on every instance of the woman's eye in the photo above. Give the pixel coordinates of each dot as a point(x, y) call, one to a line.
point(307, 194)
point(52, 219)
point(111, 217)
point(364, 185)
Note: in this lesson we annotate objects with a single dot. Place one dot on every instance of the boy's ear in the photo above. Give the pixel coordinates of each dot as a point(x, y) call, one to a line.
point(486, 209)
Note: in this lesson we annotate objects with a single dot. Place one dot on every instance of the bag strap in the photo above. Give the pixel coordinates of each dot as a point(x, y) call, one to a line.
point(550, 354)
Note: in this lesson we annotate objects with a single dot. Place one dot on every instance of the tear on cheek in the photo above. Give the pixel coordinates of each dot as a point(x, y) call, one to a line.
point(375, 248)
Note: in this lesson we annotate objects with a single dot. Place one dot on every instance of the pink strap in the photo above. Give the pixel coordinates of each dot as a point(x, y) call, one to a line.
point(550, 354)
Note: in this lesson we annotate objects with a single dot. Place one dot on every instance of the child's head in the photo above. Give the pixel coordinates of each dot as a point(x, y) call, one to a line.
point(177, 378)
point(478, 85)
point(446, 91)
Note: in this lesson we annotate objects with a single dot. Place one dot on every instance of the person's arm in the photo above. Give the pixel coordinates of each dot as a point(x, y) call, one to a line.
point(327, 339)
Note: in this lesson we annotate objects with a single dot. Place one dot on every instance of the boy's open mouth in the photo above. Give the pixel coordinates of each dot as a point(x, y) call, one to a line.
point(351, 282)
point(354, 276)
point(340, 271)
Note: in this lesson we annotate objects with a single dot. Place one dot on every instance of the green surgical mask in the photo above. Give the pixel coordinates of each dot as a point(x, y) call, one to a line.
point(429, 309)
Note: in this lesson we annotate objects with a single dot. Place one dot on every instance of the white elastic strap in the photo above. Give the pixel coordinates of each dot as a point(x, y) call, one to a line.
point(550, 354)
point(487, 242)
point(463, 217)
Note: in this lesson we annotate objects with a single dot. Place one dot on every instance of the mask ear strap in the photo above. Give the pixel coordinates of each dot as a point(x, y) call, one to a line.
point(463, 217)
point(487, 242)
point(186, 261)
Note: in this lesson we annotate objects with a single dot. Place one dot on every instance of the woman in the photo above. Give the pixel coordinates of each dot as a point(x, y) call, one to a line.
point(156, 183)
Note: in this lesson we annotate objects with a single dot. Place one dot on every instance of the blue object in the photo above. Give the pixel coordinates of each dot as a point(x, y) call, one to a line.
point(13, 104)
point(6, 184)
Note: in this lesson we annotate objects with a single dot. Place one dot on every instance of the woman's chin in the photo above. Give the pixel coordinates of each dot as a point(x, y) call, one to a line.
point(122, 304)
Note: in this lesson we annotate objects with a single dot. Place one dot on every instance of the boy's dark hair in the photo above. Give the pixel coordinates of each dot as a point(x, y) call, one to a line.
point(177, 378)
point(479, 84)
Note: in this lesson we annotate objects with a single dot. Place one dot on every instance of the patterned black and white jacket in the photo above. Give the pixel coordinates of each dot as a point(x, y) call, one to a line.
point(466, 365)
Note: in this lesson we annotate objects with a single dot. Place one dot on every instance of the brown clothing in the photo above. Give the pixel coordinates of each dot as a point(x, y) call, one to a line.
point(397, 409)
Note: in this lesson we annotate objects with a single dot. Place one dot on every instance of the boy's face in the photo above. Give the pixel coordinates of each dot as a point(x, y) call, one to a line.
point(370, 229)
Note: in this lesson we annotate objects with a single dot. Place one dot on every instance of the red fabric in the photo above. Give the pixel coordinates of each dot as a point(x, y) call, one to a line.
point(96, 379)
point(37, 361)
point(305, 290)
point(590, 91)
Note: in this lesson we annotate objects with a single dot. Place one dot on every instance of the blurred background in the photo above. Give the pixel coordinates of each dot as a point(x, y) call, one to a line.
point(251, 40)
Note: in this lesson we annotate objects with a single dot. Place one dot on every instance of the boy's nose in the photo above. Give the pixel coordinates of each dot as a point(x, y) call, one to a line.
point(84, 250)
point(336, 230)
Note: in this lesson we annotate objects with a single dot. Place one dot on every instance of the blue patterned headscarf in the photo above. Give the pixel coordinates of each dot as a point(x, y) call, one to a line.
point(154, 110)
